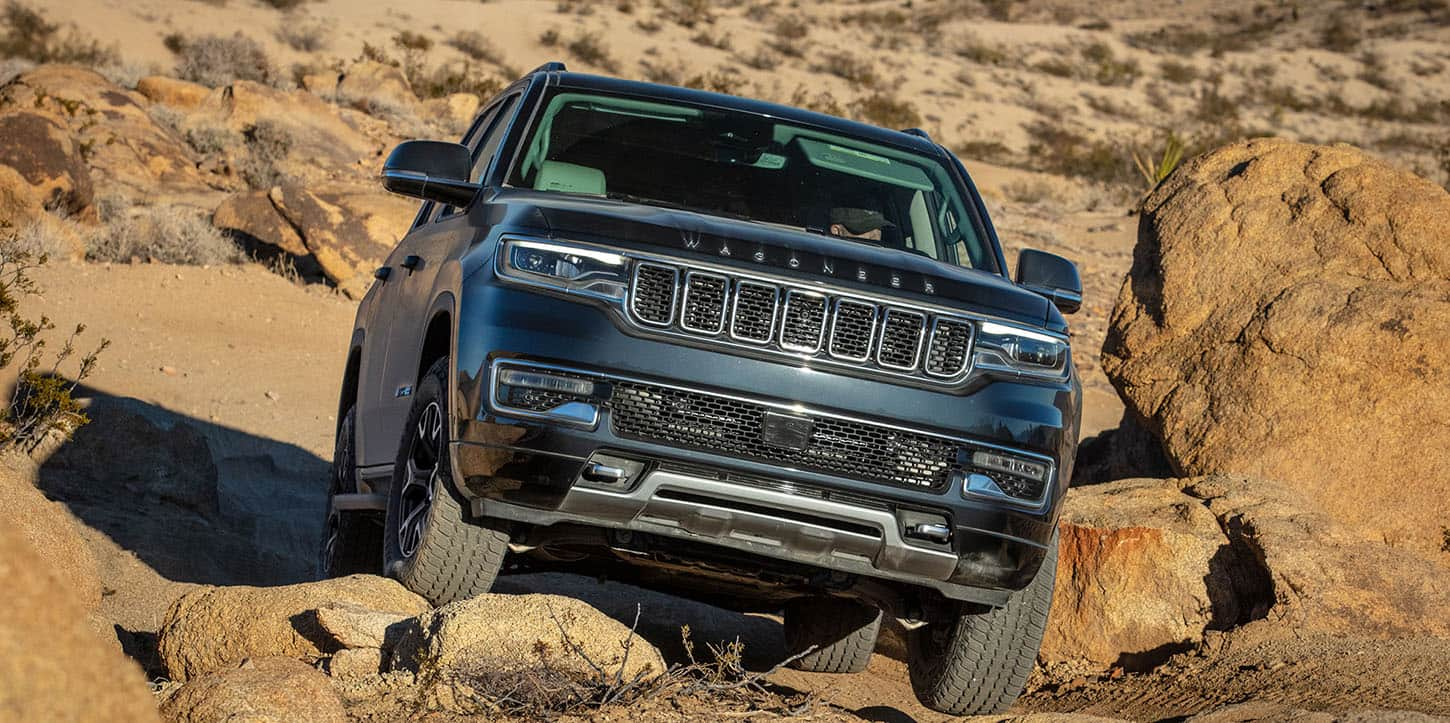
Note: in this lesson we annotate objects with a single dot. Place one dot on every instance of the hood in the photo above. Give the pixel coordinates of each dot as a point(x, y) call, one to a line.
point(768, 248)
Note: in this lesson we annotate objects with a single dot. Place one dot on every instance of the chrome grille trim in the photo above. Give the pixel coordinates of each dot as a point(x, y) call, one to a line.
point(752, 316)
point(786, 338)
point(883, 348)
point(687, 312)
point(865, 354)
point(635, 297)
point(948, 333)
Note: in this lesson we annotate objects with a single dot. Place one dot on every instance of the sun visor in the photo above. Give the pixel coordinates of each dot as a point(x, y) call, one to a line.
point(866, 165)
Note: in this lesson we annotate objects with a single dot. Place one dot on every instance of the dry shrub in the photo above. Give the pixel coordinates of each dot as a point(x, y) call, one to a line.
point(720, 80)
point(1176, 72)
point(848, 66)
point(268, 143)
point(886, 110)
point(218, 60)
point(1030, 191)
point(1058, 150)
point(28, 35)
point(283, 4)
point(477, 47)
point(710, 40)
point(588, 48)
point(168, 234)
point(688, 13)
point(409, 40)
point(41, 402)
point(822, 102)
point(450, 78)
point(788, 36)
point(304, 36)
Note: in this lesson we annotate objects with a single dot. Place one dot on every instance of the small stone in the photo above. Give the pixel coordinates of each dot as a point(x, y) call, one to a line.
point(169, 371)
point(273, 395)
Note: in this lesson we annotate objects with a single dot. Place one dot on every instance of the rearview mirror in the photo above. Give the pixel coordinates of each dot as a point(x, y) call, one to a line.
point(431, 170)
point(1052, 276)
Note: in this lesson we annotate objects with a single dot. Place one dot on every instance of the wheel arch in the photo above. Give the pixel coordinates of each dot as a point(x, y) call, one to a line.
point(351, 378)
point(437, 336)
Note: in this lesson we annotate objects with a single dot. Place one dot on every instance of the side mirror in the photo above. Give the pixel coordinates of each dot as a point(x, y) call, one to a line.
point(1052, 276)
point(431, 170)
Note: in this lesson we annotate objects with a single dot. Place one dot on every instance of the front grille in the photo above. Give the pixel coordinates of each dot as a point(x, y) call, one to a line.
point(901, 334)
point(848, 448)
point(947, 354)
point(653, 296)
point(803, 325)
point(797, 321)
point(1021, 488)
point(534, 400)
point(753, 318)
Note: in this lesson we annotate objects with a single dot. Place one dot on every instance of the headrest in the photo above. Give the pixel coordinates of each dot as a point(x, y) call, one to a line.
point(569, 178)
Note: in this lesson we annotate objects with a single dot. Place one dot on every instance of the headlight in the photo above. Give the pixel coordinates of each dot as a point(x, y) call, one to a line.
point(1021, 351)
point(574, 269)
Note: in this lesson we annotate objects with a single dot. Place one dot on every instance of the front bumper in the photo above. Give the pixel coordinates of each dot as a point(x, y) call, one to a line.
point(513, 466)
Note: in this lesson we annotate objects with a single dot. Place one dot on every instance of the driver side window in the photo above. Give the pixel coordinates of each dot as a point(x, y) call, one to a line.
point(489, 133)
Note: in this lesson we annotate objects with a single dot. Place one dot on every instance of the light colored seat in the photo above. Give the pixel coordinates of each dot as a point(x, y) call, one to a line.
point(569, 178)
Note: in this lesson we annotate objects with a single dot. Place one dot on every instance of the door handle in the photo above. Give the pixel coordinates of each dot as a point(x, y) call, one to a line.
point(382, 273)
point(412, 262)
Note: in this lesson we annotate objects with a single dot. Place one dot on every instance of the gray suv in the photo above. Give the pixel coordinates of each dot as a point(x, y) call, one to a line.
point(747, 353)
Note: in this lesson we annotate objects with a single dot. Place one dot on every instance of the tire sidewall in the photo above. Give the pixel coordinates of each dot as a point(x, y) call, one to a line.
point(430, 389)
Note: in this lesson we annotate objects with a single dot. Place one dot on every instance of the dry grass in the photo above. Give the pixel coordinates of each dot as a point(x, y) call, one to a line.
point(1029, 191)
point(165, 234)
point(218, 60)
point(306, 36)
point(886, 110)
point(848, 66)
point(268, 144)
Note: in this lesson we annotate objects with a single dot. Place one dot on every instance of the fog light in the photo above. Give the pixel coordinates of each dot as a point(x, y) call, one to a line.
point(1015, 466)
point(546, 382)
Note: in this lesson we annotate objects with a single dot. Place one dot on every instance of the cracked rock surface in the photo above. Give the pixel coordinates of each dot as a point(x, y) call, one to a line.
point(1287, 317)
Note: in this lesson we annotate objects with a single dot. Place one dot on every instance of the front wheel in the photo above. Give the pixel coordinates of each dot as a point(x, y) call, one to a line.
point(430, 545)
point(976, 662)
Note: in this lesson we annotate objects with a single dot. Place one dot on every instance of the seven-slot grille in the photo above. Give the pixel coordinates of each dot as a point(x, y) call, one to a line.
point(799, 321)
point(858, 450)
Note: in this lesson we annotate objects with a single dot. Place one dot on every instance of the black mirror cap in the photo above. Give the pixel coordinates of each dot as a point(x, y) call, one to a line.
point(432, 171)
point(1052, 276)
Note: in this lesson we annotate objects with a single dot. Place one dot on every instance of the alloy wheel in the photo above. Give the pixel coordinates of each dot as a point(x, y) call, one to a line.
point(416, 498)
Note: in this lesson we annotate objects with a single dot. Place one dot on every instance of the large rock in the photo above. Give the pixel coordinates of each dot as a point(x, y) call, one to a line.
point(1286, 317)
point(122, 143)
point(511, 634)
point(43, 151)
point(173, 92)
point(265, 690)
point(318, 141)
point(1148, 566)
point(252, 220)
point(215, 628)
point(20, 202)
point(51, 531)
point(369, 85)
point(52, 665)
point(348, 231)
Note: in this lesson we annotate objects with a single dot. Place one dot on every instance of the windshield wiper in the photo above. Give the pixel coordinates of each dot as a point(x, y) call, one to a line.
point(643, 200)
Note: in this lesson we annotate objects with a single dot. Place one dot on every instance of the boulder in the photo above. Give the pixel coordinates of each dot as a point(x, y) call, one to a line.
point(44, 152)
point(251, 220)
point(20, 202)
point(368, 85)
point(262, 690)
point(122, 143)
point(508, 634)
point(318, 140)
point(1286, 318)
point(179, 94)
point(1148, 566)
point(53, 666)
point(215, 628)
point(1138, 573)
point(355, 663)
point(454, 111)
point(323, 83)
point(51, 532)
point(348, 231)
point(357, 626)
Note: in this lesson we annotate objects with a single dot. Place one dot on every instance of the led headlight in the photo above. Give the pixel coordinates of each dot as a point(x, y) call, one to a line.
point(1022, 351)
point(574, 269)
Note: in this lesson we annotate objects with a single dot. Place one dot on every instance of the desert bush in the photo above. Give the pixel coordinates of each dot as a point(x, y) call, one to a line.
point(449, 78)
point(711, 40)
point(283, 4)
point(268, 143)
point(210, 138)
point(848, 66)
point(989, 151)
point(886, 110)
point(30, 36)
point(1028, 191)
point(788, 35)
point(821, 102)
point(588, 48)
point(662, 72)
point(1341, 34)
point(688, 13)
point(1154, 173)
point(1176, 72)
point(762, 59)
point(165, 234)
point(304, 36)
point(41, 402)
point(474, 45)
point(409, 40)
point(1058, 150)
point(217, 60)
point(972, 48)
point(1212, 106)
point(720, 80)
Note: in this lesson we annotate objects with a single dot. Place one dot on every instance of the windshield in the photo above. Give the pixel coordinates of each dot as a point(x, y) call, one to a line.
point(742, 165)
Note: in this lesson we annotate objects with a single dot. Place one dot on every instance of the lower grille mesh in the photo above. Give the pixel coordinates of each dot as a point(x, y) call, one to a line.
point(716, 424)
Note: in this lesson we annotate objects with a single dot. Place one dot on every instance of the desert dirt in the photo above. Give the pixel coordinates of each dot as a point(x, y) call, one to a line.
point(249, 361)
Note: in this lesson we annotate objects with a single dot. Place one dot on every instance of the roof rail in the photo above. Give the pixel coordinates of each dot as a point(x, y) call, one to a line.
point(916, 132)
point(549, 67)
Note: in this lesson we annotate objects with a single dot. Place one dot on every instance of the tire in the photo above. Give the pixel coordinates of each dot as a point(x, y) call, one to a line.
point(843, 633)
point(976, 662)
point(352, 542)
point(428, 542)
